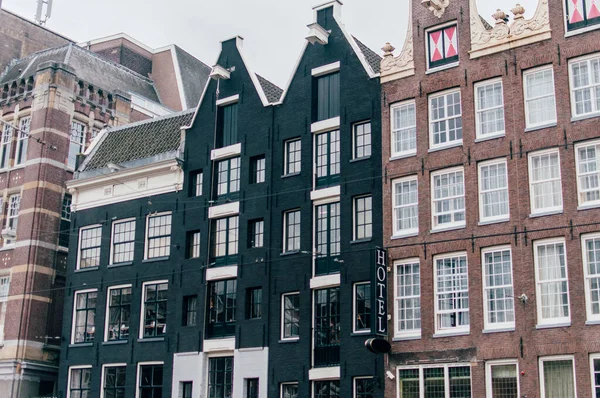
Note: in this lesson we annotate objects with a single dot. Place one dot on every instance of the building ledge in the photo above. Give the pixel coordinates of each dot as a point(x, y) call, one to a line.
point(212, 345)
point(319, 282)
point(328, 373)
point(218, 273)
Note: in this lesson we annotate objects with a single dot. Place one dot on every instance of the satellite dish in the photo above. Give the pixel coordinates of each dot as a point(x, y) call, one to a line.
point(43, 12)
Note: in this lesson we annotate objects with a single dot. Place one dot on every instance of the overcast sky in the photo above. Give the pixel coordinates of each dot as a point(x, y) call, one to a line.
point(273, 30)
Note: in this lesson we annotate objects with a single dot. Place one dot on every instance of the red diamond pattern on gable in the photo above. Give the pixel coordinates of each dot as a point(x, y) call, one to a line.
point(451, 42)
point(575, 11)
point(592, 11)
point(436, 46)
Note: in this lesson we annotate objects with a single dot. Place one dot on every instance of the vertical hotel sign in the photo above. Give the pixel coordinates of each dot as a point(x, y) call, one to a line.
point(379, 284)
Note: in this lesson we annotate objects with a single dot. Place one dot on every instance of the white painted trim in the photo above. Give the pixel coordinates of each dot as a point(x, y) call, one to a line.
point(143, 300)
point(115, 37)
point(325, 69)
point(285, 229)
point(478, 134)
point(151, 215)
point(282, 316)
point(528, 124)
point(544, 210)
point(294, 71)
point(226, 152)
point(414, 333)
point(257, 86)
point(496, 326)
point(457, 329)
point(109, 365)
point(445, 366)
point(321, 282)
point(69, 376)
point(328, 373)
point(578, 170)
point(219, 273)
point(74, 311)
point(107, 315)
point(217, 345)
point(553, 321)
point(112, 236)
point(81, 229)
point(432, 96)
point(395, 182)
point(332, 193)
point(452, 225)
point(178, 77)
point(393, 107)
point(225, 210)
point(228, 100)
point(426, 42)
point(503, 217)
point(591, 317)
point(359, 54)
point(138, 372)
point(541, 361)
point(325, 125)
point(488, 374)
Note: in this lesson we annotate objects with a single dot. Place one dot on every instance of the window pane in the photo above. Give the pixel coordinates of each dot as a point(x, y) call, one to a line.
point(498, 288)
point(493, 191)
point(404, 129)
point(448, 199)
point(490, 109)
point(539, 97)
point(408, 298)
point(445, 119)
point(552, 282)
point(504, 381)
point(558, 379)
point(452, 293)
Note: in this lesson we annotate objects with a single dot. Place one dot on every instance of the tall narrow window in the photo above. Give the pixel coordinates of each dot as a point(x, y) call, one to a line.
point(362, 140)
point(14, 204)
point(448, 192)
point(251, 388)
point(158, 242)
point(489, 108)
point(150, 380)
point(221, 306)
point(225, 241)
point(442, 47)
point(595, 376)
point(545, 187)
point(328, 97)
point(76, 142)
point(582, 13)
point(445, 119)
point(406, 206)
point(186, 389)
point(220, 377)
point(364, 387)
point(363, 217)
point(84, 316)
point(289, 390)
point(588, 173)
point(328, 238)
point(90, 240)
point(552, 287)
point(407, 300)
point(362, 307)
point(328, 159)
point(254, 303)
point(190, 310)
point(327, 328)
point(154, 309)
point(228, 179)
point(451, 293)
point(80, 382)
point(493, 191)
point(114, 381)
point(123, 241)
point(65, 221)
point(557, 377)
point(327, 389)
point(196, 181)
point(119, 313)
point(591, 267)
point(499, 305)
point(290, 314)
point(291, 230)
point(404, 129)
point(193, 244)
point(228, 125)
point(257, 234)
point(22, 140)
point(585, 85)
point(7, 136)
point(293, 156)
point(540, 103)
point(502, 380)
point(257, 174)
point(4, 292)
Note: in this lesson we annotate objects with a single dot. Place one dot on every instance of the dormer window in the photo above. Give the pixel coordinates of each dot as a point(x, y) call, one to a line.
point(582, 13)
point(442, 47)
point(227, 127)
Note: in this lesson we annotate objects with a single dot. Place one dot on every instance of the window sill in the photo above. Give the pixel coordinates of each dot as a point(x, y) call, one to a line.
point(541, 127)
point(499, 330)
point(445, 146)
point(589, 206)
point(290, 253)
point(407, 337)
point(360, 159)
point(592, 322)
point(406, 235)
point(155, 259)
point(584, 117)
point(579, 31)
point(289, 341)
point(403, 156)
point(441, 68)
point(452, 333)
point(7, 247)
point(291, 175)
point(502, 220)
point(546, 213)
point(117, 265)
point(359, 241)
point(151, 340)
point(446, 229)
point(553, 325)
point(80, 345)
point(115, 342)
point(87, 269)
point(362, 333)
point(490, 137)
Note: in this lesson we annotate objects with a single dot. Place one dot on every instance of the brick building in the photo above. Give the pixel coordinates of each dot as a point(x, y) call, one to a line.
point(490, 148)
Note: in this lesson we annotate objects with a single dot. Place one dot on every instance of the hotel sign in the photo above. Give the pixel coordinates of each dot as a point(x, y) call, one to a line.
point(379, 284)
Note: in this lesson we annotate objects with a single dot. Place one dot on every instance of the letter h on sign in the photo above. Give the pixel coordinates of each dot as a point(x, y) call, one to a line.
point(379, 289)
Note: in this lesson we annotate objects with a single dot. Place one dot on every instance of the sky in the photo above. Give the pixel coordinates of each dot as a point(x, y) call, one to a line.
point(273, 30)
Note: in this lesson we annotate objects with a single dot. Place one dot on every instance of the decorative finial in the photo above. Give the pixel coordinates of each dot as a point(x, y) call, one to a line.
point(519, 10)
point(388, 50)
point(500, 17)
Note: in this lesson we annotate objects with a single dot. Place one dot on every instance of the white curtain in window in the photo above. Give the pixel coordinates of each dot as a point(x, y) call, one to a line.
point(558, 379)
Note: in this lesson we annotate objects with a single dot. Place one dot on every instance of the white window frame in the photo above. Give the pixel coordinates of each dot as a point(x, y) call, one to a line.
point(285, 230)
point(406, 232)
point(553, 321)
point(457, 330)
point(488, 374)
point(362, 331)
point(497, 326)
point(286, 155)
point(447, 143)
point(355, 143)
point(282, 315)
point(395, 130)
point(146, 237)
point(4, 294)
point(502, 217)
point(544, 210)
point(112, 239)
point(8, 131)
point(143, 310)
point(426, 40)
point(354, 379)
point(478, 111)
point(286, 383)
point(78, 140)
point(354, 218)
point(198, 181)
point(138, 375)
point(108, 365)
point(592, 358)
point(78, 267)
point(591, 317)
point(194, 250)
point(421, 368)
point(107, 312)
point(590, 86)
point(413, 333)
point(13, 206)
point(453, 224)
point(69, 376)
point(74, 312)
point(580, 190)
point(545, 123)
point(541, 361)
point(22, 140)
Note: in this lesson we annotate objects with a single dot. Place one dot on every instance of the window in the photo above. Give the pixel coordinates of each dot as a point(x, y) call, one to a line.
point(362, 140)
point(545, 187)
point(65, 221)
point(254, 303)
point(489, 107)
point(364, 387)
point(4, 292)
point(291, 231)
point(257, 233)
point(328, 238)
point(158, 243)
point(327, 327)
point(451, 293)
point(595, 370)
point(327, 389)
point(190, 310)
point(197, 178)
point(221, 308)
point(290, 316)
point(186, 389)
point(407, 300)
point(445, 119)
point(220, 377)
point(76, 143)
point(80, 382)
point(228, 125)
point(123, 241)
point(22, 140)
point(493, 191)
point(150, 380)
point(119, 313)
point(84, 315)
point(588, 173)
point(12, 219)
point(289, 390)
point(405, 200)
point(225, 241)
point(557, 377)
point(448, 192)
point(328, 159)
point(540, 104)
point(258, 164)
point(442, 47)
point(293, 156)
point(591, 267)
point(154, 309)
point(552, 289)
point(228, 179)
point(501, 379)
point(114, 381)
point(328, 96)
point(499, 307)
point(251, 388)
point(582, 13)
point(362, 307)
point(585, 85)
point(363, 217)
point(7, 135)
point(193, 244)
point(443, 381)
point(404, 129)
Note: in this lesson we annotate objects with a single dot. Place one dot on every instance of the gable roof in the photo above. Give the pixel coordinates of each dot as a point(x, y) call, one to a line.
point(371, 56)
point(194, 75)
point(272, 91)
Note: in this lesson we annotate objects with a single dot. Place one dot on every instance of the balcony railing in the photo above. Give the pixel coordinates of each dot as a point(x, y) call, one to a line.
point(327, 346)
